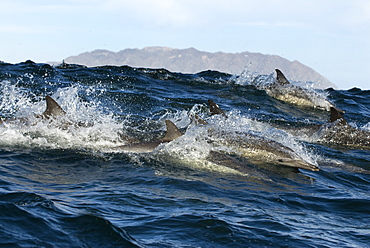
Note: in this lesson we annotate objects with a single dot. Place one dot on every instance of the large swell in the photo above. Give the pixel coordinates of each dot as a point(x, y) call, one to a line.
point(67, 185)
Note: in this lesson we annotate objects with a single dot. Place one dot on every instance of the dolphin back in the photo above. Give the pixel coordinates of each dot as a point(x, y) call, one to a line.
point(144, 147)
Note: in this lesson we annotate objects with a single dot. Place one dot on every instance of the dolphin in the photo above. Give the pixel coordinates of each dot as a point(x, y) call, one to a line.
point(172, 133)
point(338, 132)
point(256, 149)
point(216, 162)
point(283, 90)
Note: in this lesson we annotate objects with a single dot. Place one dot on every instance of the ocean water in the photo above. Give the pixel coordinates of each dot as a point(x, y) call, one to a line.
point(69, 185)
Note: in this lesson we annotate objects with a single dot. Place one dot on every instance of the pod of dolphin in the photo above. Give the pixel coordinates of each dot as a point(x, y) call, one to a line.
point(256, 149)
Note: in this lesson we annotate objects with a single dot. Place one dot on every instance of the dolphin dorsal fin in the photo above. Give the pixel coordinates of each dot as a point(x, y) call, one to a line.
point(199, 120)
point(336, 114)
point(172, 132)
point(280, 78)
point(215, 109)
point(52, 108)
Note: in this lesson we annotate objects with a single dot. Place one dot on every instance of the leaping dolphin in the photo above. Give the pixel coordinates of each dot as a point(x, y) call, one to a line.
point(283, 90)
point(255, 148)
point(148, 146)
point(259, 150)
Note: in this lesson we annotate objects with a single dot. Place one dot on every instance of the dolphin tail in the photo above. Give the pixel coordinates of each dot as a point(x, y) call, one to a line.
point(215, 109)
point(172, 132)
point(280, 78)
point(53, 109)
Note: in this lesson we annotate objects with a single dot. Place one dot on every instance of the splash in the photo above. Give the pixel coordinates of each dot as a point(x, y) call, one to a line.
point(85, 126)
point(248, 77)
point(12, 98)
point(197, 144)
point(298, 93)
point(366, 127)
point(88, 126)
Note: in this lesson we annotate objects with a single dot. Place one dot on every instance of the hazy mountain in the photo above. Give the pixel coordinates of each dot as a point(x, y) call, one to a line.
point(192, 61)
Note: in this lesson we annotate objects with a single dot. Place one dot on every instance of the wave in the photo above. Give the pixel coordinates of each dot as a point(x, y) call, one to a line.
point(64, 182)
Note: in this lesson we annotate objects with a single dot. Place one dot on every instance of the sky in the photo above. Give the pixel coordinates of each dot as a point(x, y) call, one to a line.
point(330, 36)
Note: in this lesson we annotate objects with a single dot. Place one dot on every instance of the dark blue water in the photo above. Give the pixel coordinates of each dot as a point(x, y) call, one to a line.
point(68, 186)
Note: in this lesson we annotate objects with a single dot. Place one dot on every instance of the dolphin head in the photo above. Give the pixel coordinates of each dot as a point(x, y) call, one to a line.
point(297, 163)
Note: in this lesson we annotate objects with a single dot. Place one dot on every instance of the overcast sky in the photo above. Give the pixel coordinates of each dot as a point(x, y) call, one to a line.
point(330, 36)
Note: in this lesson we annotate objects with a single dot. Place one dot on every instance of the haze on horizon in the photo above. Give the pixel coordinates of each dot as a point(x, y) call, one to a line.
point(332, 37)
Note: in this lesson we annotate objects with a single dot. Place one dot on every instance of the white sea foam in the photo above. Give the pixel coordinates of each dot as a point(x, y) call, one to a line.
point(366, 127)
point(83, 127)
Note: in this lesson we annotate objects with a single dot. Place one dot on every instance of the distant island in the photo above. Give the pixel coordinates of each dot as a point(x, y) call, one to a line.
point(192, 61)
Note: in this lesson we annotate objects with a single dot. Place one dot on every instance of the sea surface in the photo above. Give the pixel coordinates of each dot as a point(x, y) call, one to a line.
point(69, 185)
